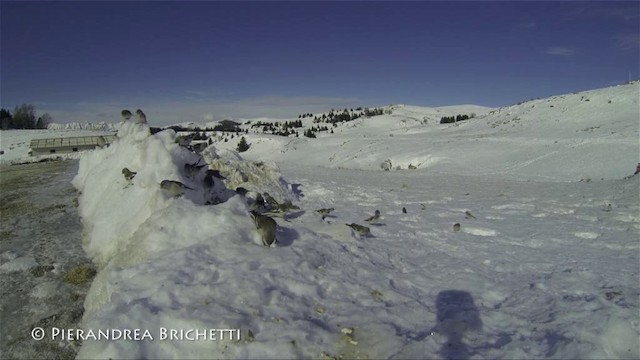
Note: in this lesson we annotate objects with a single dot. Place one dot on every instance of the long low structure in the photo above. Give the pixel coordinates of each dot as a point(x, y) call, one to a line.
point(68, 145)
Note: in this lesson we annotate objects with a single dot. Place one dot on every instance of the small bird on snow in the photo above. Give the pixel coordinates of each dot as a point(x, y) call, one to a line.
point(373, 219)
point(361, 230)
point(128, 174)
point(141, 118)
point(282, 209)
point(266, 227)
point(192, 169)
point(174, 188)
point(270, 200)
point(456, 227)
point(404, 210)
point(126, 114)
point(324, 212)
point(468, 215)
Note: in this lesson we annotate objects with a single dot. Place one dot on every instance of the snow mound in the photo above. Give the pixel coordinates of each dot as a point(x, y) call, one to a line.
point(154, 251)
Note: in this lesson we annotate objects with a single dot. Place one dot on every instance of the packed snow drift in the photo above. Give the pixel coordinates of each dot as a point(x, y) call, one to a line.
point(510, 235)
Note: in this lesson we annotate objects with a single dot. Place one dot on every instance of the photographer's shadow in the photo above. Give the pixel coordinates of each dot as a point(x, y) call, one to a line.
point(456, 314)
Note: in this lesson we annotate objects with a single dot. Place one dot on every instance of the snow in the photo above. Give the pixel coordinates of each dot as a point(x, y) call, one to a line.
point(19, 264)
point(555, 139)
point(544, 267)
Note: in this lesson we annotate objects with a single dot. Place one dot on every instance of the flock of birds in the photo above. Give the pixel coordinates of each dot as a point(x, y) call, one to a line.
point(263, 206)
point(366, 231)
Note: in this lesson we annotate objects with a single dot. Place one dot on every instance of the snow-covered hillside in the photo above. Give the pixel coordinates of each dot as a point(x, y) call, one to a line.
point(540, 263)
point(586, 135)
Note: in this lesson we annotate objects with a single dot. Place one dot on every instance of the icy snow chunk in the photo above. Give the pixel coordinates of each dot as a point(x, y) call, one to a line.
point(479, 231)
point(9, 255)
point(260, 177)
point(19, 264)
point(586, 235)
point(620, 340)
point(44, 290)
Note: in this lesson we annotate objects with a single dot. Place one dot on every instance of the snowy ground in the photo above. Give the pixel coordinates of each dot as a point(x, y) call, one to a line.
point(545, 263)
point(545, 269)
point(40, 241)
point(15, 143)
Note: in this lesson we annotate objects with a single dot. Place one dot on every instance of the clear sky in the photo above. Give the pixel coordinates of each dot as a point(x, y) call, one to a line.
point(195, 61)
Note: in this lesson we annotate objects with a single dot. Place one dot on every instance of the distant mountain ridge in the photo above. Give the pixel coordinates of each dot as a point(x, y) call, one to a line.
point(103, 126)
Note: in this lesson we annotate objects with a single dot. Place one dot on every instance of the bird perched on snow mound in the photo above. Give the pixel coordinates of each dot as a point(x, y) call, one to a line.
point(192, 169)
point(324, 212)
point(281, 210)
point(373, 219)
point(126, 114)
point(359, 229)
point(266, 227)
point(174, 188)
point(141, 118)
point(128, 174)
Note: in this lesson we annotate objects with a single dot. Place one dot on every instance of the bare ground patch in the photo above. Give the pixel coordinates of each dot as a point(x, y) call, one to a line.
point(39, 220)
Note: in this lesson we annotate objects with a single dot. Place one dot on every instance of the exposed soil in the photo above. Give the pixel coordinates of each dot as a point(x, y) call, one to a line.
point(39, 221)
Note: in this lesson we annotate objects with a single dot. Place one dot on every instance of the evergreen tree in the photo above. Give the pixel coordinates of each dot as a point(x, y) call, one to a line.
point(24, 117)
point(6, 120)
point(242, 145)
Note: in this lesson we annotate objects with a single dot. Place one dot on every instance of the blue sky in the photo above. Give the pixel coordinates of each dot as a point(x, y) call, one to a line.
point(195, 61)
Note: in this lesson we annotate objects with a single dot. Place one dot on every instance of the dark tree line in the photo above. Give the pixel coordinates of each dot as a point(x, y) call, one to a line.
point(333, 117)
point(24, 117)
point(453, 119)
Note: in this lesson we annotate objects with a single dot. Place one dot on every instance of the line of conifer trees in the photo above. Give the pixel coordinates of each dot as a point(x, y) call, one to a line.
point(453, 119)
